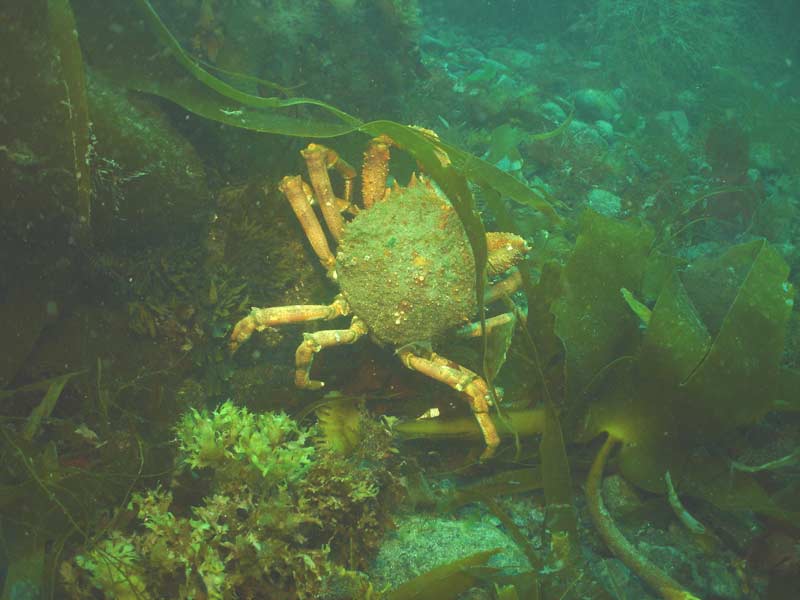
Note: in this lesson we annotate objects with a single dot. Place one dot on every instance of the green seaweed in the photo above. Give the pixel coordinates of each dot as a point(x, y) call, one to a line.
point(786, 397)
point(61, 23)
point(193, 66)
point(705, 363)
point(254, 510)
point(447, 581)
point(522, 422)
point(687, 388)
point(45, 149)
point(504, 142)
point(509, 592)
point(43, 410)
point(498, 342)
point(561, 516)
point(505, 483)
point(592, 318)
point(744, 359)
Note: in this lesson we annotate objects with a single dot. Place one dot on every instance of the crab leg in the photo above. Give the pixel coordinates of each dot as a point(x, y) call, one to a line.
point(375, 171)
point(298, 193)
point(463, 380)
point(504, 287)
point(318, 160)
point(346, 170)
point(319, 340)
point(472, 330)
point(261, 318)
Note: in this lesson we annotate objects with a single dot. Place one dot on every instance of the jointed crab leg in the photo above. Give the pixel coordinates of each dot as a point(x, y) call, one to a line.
point(319, 340)
point(471, 330)
point(297, 192)
point(318, 160)
point(463, 380)
point(261, 318)
point(375, 171)
point(345, 169)
point(504, 287)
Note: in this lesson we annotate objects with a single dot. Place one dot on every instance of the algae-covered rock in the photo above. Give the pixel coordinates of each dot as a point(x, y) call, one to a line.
point(604, 202)
point(596, 104)
point(146, 178)
point(44, 137)
point(422, 542)
point(150, 182)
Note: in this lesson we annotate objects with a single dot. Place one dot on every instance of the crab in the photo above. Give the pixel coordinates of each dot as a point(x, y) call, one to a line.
point(405, 271)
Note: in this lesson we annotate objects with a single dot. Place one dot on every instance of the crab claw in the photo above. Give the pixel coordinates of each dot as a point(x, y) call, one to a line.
point(242, 332)
point(505, 251)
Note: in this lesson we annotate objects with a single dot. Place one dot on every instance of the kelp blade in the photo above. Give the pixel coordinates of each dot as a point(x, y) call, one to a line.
point(61, 23)
point(738, 377)
point(142, 55)
point(592, 319)
point(471, 167)
point(686, 387)
point(181, 79)
point(447, 581)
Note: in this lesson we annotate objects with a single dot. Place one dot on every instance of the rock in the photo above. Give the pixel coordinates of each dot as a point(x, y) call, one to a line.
point(518, 60)
point(553, 111)
point(595, 104)
point(577, 127)
point(675, 123)
point(585, 134)
point(422, 542)
point(605, 129)
point(620, 95)
point(590, 65)
point(616, 576)
point(717, 580)
point(604, 202)
point(469, 53)
point(428, 43)
point(688, 100)
point(764, 157)
point(620, 496)
point(152, 184)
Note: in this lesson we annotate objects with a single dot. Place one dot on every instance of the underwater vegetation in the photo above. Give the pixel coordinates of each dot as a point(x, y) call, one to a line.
point(279, 516)
point(634, 377)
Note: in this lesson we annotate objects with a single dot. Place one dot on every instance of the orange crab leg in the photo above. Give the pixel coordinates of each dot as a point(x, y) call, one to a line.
point(504, 287)
point(344, 168)
point(261, 318)
point(375, 170)
point(463, 380)
point(297, 192)
point(347, 172)
point(318, 160)
point(319, 340)
point(472, 330)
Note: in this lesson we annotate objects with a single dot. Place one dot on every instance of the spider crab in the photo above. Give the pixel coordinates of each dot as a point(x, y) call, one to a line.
point(404, 267)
